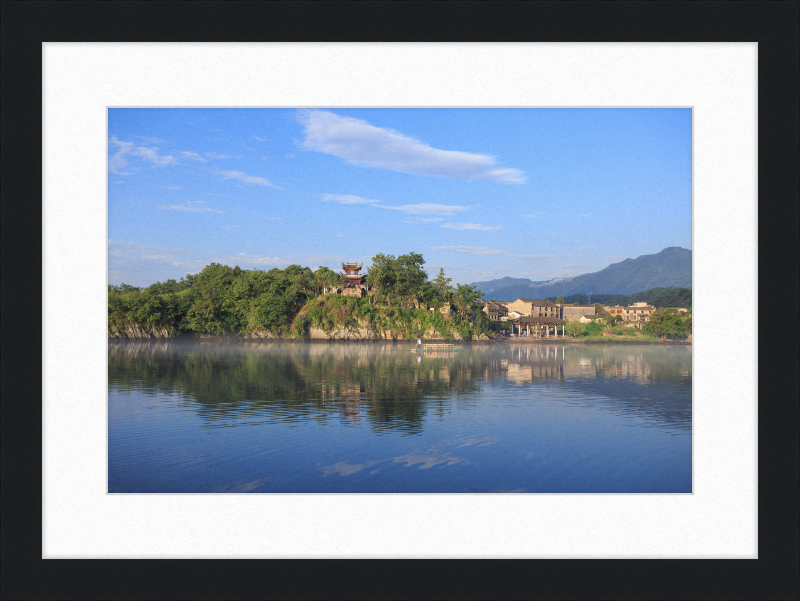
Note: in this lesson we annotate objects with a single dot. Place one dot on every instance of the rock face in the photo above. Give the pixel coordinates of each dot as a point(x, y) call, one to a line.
point(133, 331)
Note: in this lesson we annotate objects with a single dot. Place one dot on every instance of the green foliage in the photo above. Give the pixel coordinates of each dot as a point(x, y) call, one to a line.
point(560, 300)
point(666, 323)
point(444, 291)
point(230, 301)
point(576, 304)
point(573, 328)
point(592, 329)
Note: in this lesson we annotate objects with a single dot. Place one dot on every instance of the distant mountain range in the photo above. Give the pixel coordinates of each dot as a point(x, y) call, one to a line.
point(672, 267)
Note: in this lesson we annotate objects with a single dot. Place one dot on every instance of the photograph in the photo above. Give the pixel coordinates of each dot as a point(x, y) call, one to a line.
point(400, 300)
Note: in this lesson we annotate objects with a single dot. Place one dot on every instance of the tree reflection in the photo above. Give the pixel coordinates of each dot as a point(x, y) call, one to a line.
point(386, 385)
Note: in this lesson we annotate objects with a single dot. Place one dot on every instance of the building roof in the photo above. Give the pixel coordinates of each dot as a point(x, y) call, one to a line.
point(543, 320)
point(351, 265)
point(539, 302)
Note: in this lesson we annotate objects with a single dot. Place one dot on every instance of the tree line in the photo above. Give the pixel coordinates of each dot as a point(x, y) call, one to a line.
point(223, 300)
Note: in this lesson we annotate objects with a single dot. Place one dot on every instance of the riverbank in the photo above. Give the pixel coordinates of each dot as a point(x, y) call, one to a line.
point(596, 341)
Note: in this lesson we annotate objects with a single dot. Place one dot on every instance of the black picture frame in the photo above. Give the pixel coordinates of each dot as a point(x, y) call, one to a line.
point(774, 25)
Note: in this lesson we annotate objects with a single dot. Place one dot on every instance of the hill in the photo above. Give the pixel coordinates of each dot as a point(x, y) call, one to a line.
point(670, 268)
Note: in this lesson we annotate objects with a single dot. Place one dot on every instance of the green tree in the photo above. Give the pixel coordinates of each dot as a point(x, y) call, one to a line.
point(666, 323)
point(444, 291)
point(465, 298)
point(381, 275)
point(576, 304)
point(573, 328)
point(560, 300)
point(325, 277)
point(409, 277)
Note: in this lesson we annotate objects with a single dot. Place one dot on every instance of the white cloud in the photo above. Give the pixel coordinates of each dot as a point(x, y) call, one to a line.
point(473, 250)
point(532, 216)
point(248, 179)
point(424, 220)
point(425, 208)
point(195, 206)
point(584, 215)
point(119, 160)
point(143, 264)
point(347, 199)
point(152, 140)
point(193, 155)
point(485, 250)
point(206, 156)
point(171, 187)
point(118, 182)
point(471, 226)
point(365, 145)
point(259, 139)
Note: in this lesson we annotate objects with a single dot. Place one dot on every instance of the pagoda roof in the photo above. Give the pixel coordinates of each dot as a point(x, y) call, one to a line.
point(351, 265)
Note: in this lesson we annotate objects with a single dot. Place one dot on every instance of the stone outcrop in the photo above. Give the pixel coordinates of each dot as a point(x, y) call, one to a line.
point(134, 331)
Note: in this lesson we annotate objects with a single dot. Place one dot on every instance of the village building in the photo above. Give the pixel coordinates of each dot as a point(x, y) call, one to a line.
point(534, 307)
point(636, 314)
point(573, 313)
point(495, 311)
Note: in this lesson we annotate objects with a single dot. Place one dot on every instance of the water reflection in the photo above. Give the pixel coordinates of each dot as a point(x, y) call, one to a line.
point(384, 386)
point(374, 417)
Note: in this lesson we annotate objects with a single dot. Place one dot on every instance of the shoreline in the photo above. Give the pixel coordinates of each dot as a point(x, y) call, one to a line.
point(511, 341)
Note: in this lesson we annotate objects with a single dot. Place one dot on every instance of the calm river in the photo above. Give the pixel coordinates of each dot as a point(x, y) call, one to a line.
point(372, 417)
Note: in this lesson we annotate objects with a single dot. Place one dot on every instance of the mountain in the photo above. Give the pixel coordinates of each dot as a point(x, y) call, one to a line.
point(672, 267)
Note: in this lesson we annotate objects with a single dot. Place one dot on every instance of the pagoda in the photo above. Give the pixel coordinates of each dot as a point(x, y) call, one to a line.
point(353, 285)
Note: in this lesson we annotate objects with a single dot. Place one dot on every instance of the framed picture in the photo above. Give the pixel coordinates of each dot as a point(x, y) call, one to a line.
point(316, 67)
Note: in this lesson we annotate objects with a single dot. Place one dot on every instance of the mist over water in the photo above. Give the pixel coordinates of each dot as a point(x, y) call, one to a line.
point(374, 417)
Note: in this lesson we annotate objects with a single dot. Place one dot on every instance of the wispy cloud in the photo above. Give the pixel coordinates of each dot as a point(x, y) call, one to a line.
point(584, 215)
point(248, 179)
point(425, 208)
point(259, 139)
point(230, 227)
point(532, 215)
point(141, 258)
point(474, 250)
point(365, 145)
point(171, 187)
point(471, 226)
point(206, 156)
point(196, 206)
point(424, 220)
point(347, 199)
point(485, 250)
point(152, 140)
point(118, 162)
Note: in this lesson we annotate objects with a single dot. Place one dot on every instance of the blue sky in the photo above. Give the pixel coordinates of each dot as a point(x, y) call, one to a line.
point(483, 193)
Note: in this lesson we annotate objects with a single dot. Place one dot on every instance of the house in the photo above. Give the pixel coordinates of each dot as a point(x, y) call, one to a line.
point(636, 313)
point(534, 307)
point(573, 313)
point(495, 311)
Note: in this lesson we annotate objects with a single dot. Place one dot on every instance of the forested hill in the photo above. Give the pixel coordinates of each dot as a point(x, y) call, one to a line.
point(672, 267)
